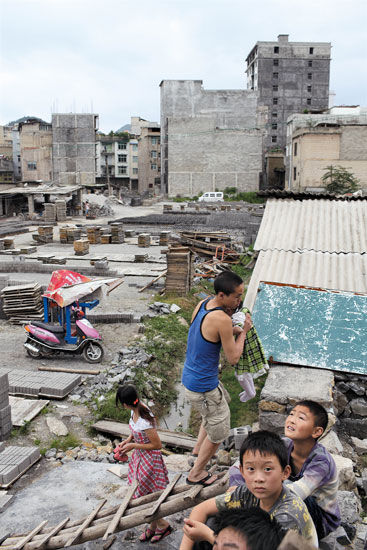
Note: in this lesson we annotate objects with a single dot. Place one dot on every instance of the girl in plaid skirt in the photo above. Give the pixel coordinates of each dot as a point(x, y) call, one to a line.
point(146, 463)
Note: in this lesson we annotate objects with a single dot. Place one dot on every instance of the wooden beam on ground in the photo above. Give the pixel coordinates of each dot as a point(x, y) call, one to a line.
point(73, 370)
point(174, 439)
point(120, 512)
point(153, 281)
point(164, 495)
point(114, 285)
point(54, 531)
point(30, 536)
point(84, 525)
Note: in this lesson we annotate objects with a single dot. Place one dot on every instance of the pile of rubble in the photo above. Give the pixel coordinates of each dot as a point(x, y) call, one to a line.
point(100, 211)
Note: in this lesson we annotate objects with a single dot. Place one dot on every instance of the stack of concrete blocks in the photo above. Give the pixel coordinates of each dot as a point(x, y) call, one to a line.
point(60, 210)
point(5, 409)
point(50, 212)
point(14, 461)
point(117, 233)
point(4, 281)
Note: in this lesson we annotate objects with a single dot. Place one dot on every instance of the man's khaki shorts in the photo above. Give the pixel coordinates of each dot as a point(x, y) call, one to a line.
point(214, 410)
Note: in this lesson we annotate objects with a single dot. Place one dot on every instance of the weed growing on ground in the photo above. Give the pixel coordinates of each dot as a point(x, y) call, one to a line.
point(24, 429)
point(107, 409)
point(63, 443)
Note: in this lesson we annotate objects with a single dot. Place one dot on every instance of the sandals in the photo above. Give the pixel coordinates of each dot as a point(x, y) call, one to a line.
point(147, 535)
point(161, 534)
point(203, 481)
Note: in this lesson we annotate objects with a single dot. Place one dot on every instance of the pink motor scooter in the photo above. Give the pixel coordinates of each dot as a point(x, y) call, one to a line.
point(46, 339)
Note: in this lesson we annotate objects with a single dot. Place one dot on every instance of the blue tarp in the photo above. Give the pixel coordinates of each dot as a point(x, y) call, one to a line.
point(313, 327)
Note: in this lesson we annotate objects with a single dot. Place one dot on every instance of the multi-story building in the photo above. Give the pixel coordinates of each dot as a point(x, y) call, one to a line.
point(149, 164)
point(6, 170)
point(74, 148)
point(210, 139)
point(117, 157)
point(337, 137)
point(35, 138)
point(290, 77)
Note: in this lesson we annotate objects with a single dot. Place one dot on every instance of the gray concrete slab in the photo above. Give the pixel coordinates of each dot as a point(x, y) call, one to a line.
point(43, 384)
point(74, 490)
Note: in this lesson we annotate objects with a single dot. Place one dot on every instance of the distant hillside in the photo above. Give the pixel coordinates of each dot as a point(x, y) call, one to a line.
point(126, 128)
point(25, 118)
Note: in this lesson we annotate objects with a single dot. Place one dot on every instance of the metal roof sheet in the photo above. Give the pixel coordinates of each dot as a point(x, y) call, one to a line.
point(320, 225)
point(315, 269)
point(312, 327)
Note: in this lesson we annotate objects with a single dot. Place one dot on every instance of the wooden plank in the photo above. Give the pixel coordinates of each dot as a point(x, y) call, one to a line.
point(24, 410)
point(153, 281)
point(72, 370)
point(54, 531)
point(164, 495)
point(167, 437)
point(85, 524)
point(120, 511)
point(30, 536)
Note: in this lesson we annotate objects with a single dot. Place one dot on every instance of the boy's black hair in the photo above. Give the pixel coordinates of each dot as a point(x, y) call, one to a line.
point(317, 410)
point(258, 529)
point(265, 443)
point(227, 282)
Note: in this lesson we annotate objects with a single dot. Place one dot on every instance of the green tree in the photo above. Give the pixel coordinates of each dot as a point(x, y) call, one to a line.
point(339, 180)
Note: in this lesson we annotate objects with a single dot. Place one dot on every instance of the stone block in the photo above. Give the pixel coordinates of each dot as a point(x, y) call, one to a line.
point(350, 507)
point(360, 445)
point(340, 401)
point(332, 442)
point(286, 385)
point(356, 427)
point(344, 466)
point(272, 421)
point(271, 406)
point(359, 407)
point(5, 415)
point(360, 542)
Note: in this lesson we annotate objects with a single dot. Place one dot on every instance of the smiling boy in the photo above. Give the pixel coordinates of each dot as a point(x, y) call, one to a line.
point(314, 476)
point(264, 467)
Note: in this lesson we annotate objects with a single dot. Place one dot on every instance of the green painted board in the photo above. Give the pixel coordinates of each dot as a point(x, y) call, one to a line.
point(312, 327)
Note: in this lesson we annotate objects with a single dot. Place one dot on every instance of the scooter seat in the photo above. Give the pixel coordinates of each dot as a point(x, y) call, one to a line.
point(47, 326)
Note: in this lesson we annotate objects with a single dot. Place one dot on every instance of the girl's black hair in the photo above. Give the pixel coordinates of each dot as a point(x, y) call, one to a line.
point(128, 395)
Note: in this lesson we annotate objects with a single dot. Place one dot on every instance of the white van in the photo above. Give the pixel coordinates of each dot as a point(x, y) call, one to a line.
point(211, 196)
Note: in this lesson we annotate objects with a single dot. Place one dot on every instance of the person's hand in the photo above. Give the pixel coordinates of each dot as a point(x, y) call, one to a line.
point(237, 330)
point(248, 323)
point(126, 447)
point(197, 531)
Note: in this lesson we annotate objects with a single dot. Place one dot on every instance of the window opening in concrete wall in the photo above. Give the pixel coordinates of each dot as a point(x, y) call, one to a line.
point(32, 165)
point(122, 158)
point(153, 167)
point(275, 101)
point(275, 75)
point(295, 149)
point(122, 169)
point(275, 88)
point(275, 62)
point(135, 170)
point(294, 173)
point(153, 154)
point(274, 126)
point(276, 49)
point(135, 159)
point(310, 63)
point(273, 139)
point(311, 51)
point(121, 145)
point(274, 115)
point(309, 88)
point(309, 76)
point(309, 101)
point(135, 146)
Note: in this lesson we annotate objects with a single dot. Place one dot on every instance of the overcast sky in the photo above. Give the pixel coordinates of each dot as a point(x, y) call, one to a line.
point(110, 56)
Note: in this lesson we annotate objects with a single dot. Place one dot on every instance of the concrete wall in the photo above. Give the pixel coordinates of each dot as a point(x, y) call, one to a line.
point(36, 147)
point(149, 165)
point(74, 148)
point(209, 138)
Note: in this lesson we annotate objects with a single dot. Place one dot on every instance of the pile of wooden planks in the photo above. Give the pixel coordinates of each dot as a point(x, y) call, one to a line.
point(81, 247)
point(179, 270)
point(45, 234)
point(213, 244)
point(144, 240)
point(94, 234)
point(117, 233)
point(22, 302)
point(164, 238)
point(60, 206)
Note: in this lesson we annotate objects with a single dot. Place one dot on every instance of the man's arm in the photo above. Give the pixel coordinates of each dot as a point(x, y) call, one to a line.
point(233, 348)
point(199, 513)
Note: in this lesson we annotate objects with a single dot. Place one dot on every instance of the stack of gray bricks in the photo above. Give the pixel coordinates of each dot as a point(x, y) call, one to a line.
point(5, 410)
point(14, 461)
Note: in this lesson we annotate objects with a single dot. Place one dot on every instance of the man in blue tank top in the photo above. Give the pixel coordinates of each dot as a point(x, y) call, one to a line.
point(210, 329)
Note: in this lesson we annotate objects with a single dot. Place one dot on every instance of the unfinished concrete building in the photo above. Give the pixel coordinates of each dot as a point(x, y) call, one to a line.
point(35, 137)
point(210, 139)
point(290, 77)
point(149, 159)
point(74, 148)
point(336, 138)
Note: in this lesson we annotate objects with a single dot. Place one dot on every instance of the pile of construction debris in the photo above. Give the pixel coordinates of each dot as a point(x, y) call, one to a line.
point(99, 211)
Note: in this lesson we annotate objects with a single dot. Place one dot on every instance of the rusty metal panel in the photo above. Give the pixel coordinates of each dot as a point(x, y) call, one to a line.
point(320, 225)
point(313, 327)
point(314, 269)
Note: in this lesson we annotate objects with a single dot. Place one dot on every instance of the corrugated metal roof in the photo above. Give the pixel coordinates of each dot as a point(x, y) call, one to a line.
point(320, 225)
point(312, 327)
point(314, 269)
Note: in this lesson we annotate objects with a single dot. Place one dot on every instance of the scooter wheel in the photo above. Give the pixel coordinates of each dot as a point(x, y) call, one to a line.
point(33, 354)
point(93, 352)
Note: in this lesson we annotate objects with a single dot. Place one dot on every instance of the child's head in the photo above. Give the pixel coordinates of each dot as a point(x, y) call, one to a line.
point(246, 529)
point(307, 420)
point(264, 464)
point(127, 395)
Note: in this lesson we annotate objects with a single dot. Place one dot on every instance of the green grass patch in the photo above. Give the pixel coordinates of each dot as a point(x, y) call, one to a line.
point(107, 409)
point(248, 196)
point(63, 443)
point(21, 430)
